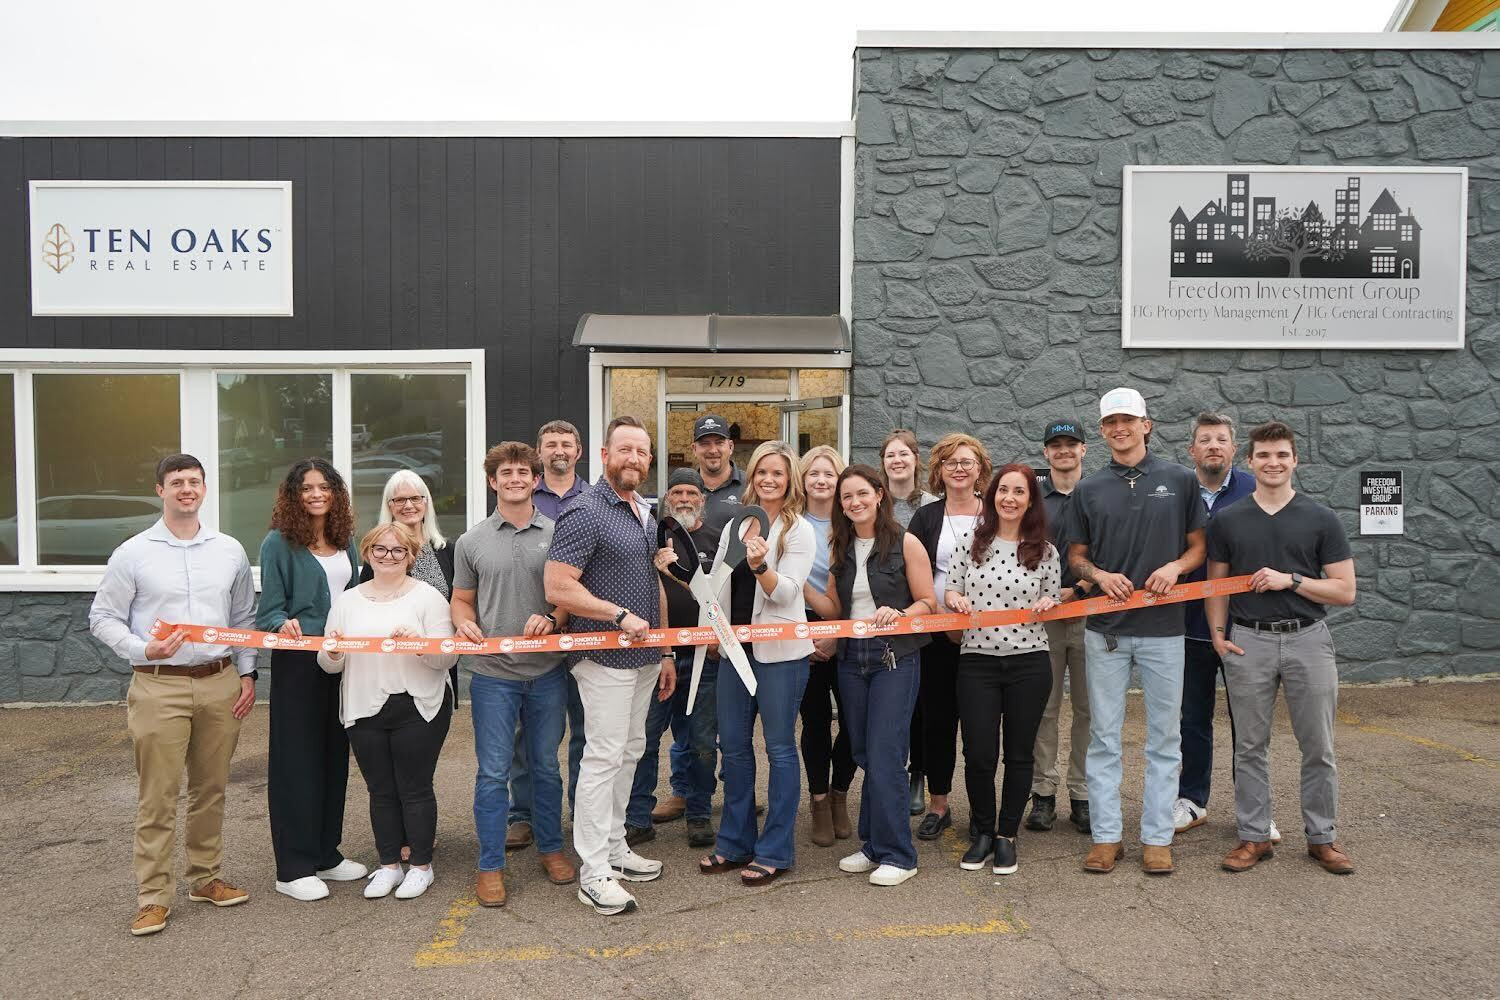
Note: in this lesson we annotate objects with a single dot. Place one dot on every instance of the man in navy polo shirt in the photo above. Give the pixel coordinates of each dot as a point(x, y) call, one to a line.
point(601, 571)
point(1136, 523)
point(723, 482)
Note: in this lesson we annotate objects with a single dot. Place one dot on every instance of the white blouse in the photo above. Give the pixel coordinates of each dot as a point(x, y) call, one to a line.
point(370, 678)
point(999, 583)
point(861, 600)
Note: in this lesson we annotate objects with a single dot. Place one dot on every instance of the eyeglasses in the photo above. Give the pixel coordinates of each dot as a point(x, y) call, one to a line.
point(408, 501)
point(954, 464)
point(388, 551)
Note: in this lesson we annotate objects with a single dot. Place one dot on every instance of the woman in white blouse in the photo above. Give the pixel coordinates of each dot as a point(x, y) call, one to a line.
point(395, 706)
point(1004, 673)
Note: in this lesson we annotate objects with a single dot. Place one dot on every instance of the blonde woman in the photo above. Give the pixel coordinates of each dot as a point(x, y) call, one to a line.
point(766, 588)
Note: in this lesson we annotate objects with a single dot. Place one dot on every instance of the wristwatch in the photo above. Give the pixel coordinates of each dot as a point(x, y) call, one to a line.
point(620, 618)
point(550, 617)
point(1296, 580)
point(760, 569)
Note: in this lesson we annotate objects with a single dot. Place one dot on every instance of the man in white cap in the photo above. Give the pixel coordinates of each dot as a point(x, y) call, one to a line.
point(1136, 523)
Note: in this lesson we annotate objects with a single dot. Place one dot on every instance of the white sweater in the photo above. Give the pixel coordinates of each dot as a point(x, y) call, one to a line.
point(370, 678)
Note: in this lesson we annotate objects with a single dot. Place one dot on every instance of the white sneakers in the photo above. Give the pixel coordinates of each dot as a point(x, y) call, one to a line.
point(344, 871)
point(1275, 833)
point(606, 896)
point(416, 882)
point(631, 867)
point(307, 888)
point(382, 882)
point(1187, 814)
point(856, 864)
point(891, 875)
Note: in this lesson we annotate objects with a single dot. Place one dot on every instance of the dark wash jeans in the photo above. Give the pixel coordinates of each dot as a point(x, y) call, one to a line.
point(701, 733)
point(1201, 669)
point(878, 702)
point(1000, 702)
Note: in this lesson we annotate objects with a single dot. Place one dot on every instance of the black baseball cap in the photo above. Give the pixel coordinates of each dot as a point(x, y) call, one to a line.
point(710, 424)
point(685, 477)
point(1063, 428)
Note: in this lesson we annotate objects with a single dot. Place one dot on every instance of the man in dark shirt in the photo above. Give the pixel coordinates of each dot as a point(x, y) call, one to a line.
point(1136, 523)
point(723, 482)
point(1063, 447)
point(1295, 551)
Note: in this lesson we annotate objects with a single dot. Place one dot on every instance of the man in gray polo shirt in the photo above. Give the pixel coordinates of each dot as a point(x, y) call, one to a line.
point(1136, 523)
point(498, 591)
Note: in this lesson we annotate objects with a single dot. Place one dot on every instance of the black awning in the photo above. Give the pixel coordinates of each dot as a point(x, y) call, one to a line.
point(802, 334)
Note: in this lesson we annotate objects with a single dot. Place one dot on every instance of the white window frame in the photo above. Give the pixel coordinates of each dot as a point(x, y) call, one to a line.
point(197, 373)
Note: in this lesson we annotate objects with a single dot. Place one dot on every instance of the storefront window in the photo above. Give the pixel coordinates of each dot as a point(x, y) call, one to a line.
point(413, 422)
point(633, 392)
point(8, 533)
point(98, 439)
point(820, 426)
point(266, 422)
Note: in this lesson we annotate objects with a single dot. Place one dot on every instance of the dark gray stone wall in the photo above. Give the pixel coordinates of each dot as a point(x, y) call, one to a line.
point(987, 289)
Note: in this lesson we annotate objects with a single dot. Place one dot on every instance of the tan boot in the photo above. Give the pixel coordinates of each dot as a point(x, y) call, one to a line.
point(670, 808)
point(842, 828)
point(489, 888)
point(1103, 857)
point(1156, 860)
point(822, 822)
point(559, 869)
point(1246, 856)
point(1331, 857)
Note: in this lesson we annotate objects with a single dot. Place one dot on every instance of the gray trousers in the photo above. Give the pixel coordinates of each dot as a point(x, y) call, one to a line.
point(1065, 647)
point(1302, 663)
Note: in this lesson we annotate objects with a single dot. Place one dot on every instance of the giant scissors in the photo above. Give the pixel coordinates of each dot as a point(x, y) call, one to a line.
point(706, 587)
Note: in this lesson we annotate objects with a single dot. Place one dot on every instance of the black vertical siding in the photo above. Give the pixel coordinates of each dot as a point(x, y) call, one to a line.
point(474, 242)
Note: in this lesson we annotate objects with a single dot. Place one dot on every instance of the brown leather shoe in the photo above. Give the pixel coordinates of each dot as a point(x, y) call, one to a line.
point(1102, 858)
point(822, 822)
point(1156, 860)
point(517, 836)
point(489, 888)
point(839, 803)
point(219, 893)
point(559, 869)
point(1332, 858)
point(1247, 855)
point(670, 808)
point(149, 920)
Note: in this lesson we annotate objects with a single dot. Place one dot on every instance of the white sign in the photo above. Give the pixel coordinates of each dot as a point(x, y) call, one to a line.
point(161, 248)
point(1381, 509)
point(1294, 257)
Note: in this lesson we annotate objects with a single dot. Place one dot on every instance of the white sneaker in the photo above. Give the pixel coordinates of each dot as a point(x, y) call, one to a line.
point(631, 867)
point(416, 882)
point(1187, 814)
point(382, 882)
point(606, 896)
point(856, 864)
point(891, 875)
point(1275, 833)
point(307, 888)
point(344, 871)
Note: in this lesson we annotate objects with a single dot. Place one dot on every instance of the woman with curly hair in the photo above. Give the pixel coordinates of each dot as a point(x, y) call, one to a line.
point(307, 557)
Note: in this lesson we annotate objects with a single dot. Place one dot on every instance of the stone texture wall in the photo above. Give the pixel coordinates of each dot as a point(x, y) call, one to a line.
point(987, 289)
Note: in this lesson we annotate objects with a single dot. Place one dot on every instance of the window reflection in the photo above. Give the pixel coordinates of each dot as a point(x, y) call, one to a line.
point(413, 422)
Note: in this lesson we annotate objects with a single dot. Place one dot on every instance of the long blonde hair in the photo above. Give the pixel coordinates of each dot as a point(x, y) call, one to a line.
point(796, 500)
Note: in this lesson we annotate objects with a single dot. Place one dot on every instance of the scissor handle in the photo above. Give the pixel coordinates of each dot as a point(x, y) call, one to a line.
point(668, 527)
point(735, 554)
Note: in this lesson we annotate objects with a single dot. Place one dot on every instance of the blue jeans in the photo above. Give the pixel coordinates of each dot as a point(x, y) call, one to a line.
point(1160, 661)
point(878, 703)
point(699, 732)
point(1200, 689)
point(498, 705)
point(520, 770)
point(778, 695)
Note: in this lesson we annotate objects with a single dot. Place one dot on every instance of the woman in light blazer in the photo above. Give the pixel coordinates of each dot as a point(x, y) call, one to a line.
point(765, 589)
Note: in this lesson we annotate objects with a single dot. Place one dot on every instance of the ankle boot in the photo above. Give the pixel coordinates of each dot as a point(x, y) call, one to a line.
point(822, 822)
point(842, 828)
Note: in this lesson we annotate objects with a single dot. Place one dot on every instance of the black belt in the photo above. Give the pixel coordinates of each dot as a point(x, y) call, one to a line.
point(1280, 627)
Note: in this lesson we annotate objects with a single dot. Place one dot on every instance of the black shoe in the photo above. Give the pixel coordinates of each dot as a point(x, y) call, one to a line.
point(1005, 857)
point(700, 833)
point(933, 825)
point(917, 802)
point(1080, 816)
point(1043, 812)
point(639, 834)
point(978, 852)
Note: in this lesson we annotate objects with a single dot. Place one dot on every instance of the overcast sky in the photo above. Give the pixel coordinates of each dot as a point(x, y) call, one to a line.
point(536, 60)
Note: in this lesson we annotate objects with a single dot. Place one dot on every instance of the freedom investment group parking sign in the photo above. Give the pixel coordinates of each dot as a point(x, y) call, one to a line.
point(1294, 257)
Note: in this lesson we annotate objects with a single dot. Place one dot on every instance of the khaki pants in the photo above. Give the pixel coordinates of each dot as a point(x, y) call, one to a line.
point(1065, 639)
point(179, 722)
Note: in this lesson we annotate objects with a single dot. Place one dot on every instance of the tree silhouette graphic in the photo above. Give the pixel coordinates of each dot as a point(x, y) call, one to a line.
point(1294, 237)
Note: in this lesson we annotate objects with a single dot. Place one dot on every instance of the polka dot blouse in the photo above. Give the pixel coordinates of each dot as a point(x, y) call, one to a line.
point(1000, 583)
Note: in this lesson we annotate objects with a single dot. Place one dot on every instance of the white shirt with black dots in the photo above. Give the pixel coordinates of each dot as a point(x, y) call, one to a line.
point(998, 583)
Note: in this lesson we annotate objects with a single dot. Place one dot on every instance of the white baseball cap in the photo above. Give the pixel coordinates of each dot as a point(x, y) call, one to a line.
point(1122, 400)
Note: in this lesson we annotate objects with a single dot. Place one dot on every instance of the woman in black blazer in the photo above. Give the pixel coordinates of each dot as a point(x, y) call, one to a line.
point(958, 468)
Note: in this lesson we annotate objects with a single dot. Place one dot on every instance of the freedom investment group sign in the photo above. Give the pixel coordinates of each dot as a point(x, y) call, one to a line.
point(1294, 257)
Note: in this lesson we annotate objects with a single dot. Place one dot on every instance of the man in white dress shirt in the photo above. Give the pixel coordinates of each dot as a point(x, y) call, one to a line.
point(186, 699)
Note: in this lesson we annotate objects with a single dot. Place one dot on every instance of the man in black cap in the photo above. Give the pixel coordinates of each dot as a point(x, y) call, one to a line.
point(723, 483)
point(1064, 448)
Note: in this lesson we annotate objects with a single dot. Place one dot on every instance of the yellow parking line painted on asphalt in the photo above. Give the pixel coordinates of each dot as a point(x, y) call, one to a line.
point(1350, 719)
point(64, 770)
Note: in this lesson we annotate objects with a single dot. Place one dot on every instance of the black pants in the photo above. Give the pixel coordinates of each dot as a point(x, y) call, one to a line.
point(821, 752)
point(398, 751)
point(1001, 697)
point(308, 774)
point(938, 717)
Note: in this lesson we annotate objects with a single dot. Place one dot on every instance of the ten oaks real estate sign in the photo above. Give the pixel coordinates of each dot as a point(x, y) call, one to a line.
point(1294, 257)
point(161, 248)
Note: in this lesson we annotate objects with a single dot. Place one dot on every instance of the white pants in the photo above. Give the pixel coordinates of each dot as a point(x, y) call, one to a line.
point(614, 725)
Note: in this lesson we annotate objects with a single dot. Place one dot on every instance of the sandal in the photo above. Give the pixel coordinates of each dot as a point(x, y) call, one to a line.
point(763, 876)
point(715, 865)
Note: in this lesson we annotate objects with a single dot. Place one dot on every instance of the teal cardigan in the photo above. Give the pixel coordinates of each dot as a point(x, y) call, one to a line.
point(293, 585)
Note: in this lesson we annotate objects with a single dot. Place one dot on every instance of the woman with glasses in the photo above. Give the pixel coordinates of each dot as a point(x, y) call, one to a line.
point(307, 558)
point(958, 468)
point(395, 706)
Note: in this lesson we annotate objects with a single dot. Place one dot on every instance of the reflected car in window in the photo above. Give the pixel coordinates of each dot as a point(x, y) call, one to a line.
point(371, 471)
point(84, 528)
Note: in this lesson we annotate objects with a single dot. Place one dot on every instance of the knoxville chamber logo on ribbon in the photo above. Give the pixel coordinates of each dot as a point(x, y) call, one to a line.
point(161, 248)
